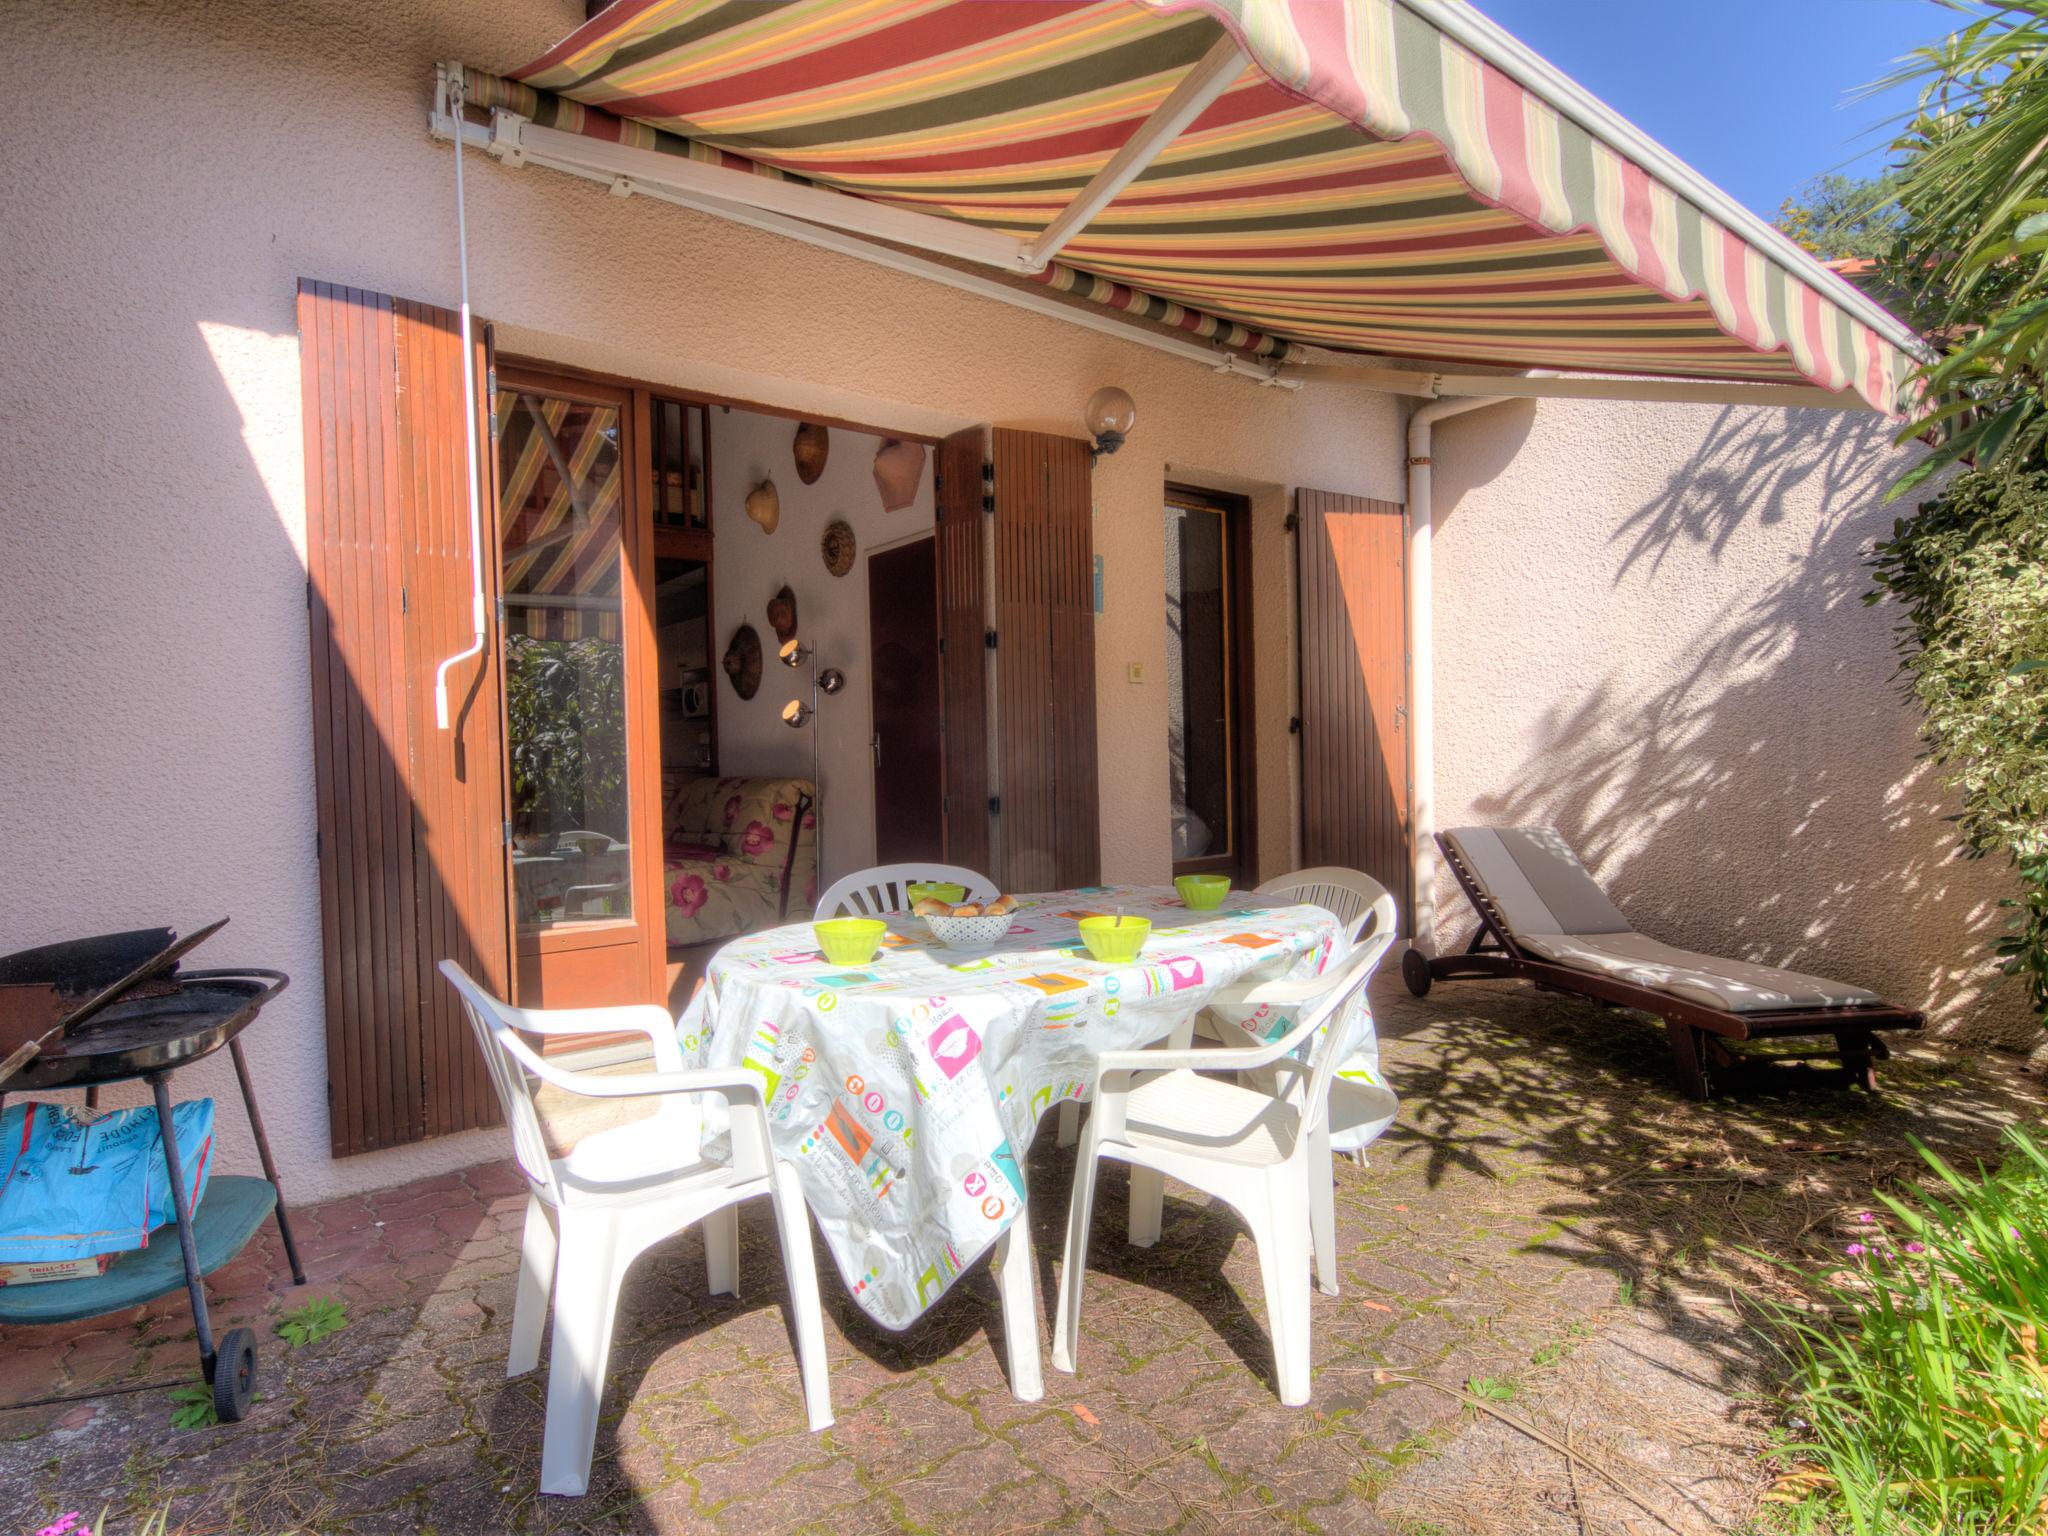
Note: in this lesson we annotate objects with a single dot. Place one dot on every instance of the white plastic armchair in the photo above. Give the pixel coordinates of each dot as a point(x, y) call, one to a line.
point(1349, 896)
point(591, 1213)
point(1346, 893)
point(1266, 1154)
point(886, 888)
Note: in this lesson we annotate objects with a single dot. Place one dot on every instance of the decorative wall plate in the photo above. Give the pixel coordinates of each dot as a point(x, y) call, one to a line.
point(813, 444)
point(764, 505)
point(838, 546)
point(899, 470)
point(743, 661)
point(782, 614)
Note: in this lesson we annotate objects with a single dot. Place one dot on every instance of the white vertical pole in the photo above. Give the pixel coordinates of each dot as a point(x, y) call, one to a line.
point(1422, 668)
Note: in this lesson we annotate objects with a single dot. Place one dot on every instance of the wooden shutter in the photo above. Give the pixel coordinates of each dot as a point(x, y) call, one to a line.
point(1354, 687)
point(962, 538)
point(1046, 830)
point(412, 868)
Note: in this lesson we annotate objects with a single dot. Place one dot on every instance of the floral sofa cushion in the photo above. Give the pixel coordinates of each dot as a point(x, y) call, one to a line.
point(746, 825)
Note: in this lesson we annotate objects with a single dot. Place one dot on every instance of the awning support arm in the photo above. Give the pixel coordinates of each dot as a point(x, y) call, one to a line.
point(1212, 75)
point(515, 142)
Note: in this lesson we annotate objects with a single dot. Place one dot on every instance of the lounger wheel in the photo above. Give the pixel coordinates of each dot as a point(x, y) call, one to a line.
point(1415, 971)
point(234, 1375)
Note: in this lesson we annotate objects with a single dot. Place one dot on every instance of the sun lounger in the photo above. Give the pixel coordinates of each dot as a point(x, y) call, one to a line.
point(1542, 918)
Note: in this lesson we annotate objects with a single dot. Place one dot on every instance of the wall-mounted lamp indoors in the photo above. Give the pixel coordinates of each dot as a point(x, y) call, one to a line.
point(1109, 417)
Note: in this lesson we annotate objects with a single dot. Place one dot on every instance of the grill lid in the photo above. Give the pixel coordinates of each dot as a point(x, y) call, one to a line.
point(53, 988)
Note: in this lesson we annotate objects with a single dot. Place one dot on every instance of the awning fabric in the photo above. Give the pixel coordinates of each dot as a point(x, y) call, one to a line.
point(1369, 183)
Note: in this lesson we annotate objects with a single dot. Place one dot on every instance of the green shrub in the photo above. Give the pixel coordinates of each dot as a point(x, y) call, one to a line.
point(1928, 1410)
point(1971, 568)
point(565, 723)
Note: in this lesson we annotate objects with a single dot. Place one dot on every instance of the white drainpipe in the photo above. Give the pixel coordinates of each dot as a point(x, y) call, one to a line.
point(1422, 665)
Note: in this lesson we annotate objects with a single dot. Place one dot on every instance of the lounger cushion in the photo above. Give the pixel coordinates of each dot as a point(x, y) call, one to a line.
point(1735, 985)
point(1537, 883)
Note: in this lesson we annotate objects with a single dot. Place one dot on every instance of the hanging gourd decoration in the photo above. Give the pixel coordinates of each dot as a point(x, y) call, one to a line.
point(782, 614)
point(743, 661)
point(837, 546)
point(812, 445)
point(764, 505)
point(899, 470)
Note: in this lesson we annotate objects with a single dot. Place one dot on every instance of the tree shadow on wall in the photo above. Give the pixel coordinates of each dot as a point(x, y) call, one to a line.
point(1768, 800)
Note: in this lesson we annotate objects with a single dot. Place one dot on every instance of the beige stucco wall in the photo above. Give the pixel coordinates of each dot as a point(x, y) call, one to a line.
point(176, 168)
point(1650, 632)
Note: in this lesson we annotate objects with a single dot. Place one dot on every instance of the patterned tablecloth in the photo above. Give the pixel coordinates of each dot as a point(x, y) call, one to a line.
point(906, 1091)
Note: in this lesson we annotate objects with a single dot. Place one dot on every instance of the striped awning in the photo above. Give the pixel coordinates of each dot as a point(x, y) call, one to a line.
point(1368, 182)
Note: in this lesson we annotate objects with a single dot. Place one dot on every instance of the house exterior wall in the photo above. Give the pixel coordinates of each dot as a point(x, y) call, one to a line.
point(180, 166)
point(1648, 627)
point(1650, 633)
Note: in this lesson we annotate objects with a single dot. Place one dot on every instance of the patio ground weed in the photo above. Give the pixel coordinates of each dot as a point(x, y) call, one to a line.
point(1925, 1405)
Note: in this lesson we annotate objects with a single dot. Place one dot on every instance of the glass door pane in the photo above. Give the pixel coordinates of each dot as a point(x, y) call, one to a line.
point(1198, 704)
point(561, 522)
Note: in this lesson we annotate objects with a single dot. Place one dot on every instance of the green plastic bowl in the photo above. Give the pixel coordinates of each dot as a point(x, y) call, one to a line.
point(850, 940)
point(936, 890)
point(1114, 943)
point(1202, 893)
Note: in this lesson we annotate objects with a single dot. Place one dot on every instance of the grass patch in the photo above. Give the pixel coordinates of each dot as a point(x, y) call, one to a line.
point(1923, 1401)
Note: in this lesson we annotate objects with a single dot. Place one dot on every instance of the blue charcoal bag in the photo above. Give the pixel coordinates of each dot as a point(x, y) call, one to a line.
point(73, 1186)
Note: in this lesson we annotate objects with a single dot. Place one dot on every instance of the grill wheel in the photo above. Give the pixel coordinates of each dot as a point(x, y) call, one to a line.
point(234, 1375)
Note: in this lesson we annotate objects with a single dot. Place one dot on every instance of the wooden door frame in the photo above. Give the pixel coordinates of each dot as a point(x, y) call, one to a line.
point(1236, 509)
point(890, 546)
point(643, 710)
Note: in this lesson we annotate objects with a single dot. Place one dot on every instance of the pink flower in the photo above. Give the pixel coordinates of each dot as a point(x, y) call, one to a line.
point(1865, 1216)
point(687, 895)
point(784, 810)
point(67, 1525)
point(721, 871)
point(810, 820)
point(1856, 1250)
point(1916, 1247)
point(756, 839)
point(732, 810)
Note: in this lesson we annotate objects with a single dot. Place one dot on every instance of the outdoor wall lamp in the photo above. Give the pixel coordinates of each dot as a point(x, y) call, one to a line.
point(1109, 417)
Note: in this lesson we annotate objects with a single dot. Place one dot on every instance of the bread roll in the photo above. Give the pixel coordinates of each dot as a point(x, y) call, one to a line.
point(1001, 906)
point(970, 910)
point(931, 906)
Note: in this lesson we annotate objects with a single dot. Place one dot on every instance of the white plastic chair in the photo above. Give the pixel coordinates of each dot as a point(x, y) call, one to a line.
point(1267, 1155)
point(1346, 893)
point(885, 888)
point(591, 1213)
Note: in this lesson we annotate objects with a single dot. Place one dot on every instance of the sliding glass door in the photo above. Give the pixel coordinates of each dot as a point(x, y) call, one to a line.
point(576, 646)
point(1207, 764)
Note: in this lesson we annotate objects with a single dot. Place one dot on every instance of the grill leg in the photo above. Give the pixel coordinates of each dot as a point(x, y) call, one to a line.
point(188, 1244)
point(284, 1223)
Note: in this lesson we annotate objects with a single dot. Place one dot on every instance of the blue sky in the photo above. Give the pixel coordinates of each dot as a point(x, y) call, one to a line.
point(1757, 95)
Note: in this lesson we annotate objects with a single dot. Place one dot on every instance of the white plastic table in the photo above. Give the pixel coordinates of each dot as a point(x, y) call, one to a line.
point(906, 1091)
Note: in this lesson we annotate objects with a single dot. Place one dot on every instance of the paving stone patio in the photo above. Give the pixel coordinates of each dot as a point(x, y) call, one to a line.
point(1549, 1219)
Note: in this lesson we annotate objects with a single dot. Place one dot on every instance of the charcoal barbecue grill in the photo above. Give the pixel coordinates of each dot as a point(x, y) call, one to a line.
point(117, 1007)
